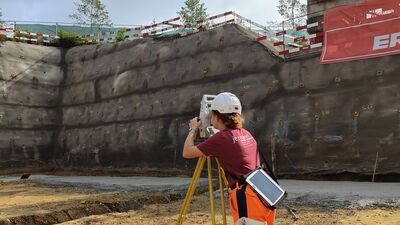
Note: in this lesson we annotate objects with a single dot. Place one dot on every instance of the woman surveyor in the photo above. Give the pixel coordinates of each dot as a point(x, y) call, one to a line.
point(236, 150)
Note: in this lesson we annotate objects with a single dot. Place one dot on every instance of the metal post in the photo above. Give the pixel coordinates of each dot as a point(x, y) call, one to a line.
point(283, 36)
point(265, 31)
point(376, 165)
point(15, 28)
point(56, 29)
point(273, 153)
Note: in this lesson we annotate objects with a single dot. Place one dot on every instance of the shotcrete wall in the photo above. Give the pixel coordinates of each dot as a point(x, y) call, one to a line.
point(30, 76)
point(128, 104)
point(337, 118)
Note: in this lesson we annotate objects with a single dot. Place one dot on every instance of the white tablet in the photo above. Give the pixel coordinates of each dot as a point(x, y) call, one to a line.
point(266, 187)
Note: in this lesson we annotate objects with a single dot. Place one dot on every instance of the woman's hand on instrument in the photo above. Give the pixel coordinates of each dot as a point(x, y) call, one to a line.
point(194, 123)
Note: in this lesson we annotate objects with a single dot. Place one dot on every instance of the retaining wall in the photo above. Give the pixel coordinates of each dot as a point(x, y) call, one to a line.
point(30, 78)
point(133, 99)
point(128, 104)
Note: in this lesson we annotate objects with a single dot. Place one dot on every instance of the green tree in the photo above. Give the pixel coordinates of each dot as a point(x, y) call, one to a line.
point(91, 12)
point(292, 10)
point(68, 39)
point(192, 11)
point(121, 35)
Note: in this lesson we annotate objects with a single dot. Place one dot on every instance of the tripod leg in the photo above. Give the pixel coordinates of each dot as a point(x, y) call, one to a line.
point(223, 174)
point(190, 191)
point(221, 189)
point(211, 190)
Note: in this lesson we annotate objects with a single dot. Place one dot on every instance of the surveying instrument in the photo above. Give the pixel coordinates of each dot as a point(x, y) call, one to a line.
point(205, 131)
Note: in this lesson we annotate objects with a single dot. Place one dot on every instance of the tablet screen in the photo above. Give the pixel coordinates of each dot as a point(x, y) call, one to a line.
point(265, 186)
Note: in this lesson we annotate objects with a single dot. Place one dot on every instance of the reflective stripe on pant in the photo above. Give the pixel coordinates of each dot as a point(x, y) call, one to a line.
point(244, 202)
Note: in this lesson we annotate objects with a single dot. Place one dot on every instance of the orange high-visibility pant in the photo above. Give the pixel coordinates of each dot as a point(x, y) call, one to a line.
point(244, 202)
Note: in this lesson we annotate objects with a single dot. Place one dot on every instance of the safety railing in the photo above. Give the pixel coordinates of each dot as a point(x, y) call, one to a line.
point(48, 32)
point(169, 27)
point(294, 36)
point(26, 36)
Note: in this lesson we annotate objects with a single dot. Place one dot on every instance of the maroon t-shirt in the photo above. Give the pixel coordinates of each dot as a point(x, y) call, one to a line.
point(236, 151)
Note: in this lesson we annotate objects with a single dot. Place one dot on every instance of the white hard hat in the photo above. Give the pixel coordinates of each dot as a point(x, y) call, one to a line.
point(226, 103)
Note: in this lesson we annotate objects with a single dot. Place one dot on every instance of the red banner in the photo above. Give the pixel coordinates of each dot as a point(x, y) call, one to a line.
point(360, 31)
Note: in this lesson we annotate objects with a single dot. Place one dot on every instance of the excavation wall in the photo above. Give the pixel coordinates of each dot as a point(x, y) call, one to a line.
point(30, 78)
point(336, 118)
point(128, 104)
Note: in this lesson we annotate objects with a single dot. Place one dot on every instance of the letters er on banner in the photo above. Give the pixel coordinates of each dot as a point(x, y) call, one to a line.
point(360, 31)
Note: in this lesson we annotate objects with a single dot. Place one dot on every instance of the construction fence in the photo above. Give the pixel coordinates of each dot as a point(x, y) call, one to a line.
point(285, 38)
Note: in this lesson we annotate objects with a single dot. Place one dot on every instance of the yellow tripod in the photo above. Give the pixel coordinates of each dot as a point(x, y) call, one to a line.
point(189, 194)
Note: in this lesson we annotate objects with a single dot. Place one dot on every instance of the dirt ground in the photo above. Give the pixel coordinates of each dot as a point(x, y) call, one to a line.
point(26, 198)
point(166, 214)
point(33, 204)
point(19, 199)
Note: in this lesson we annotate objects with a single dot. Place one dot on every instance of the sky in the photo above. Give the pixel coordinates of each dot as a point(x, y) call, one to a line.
point(135, 12)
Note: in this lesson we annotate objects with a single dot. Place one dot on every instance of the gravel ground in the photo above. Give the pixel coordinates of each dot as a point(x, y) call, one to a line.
point(331, 194)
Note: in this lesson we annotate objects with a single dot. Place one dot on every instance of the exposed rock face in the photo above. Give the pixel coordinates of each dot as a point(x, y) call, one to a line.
point(128, 104)
point(30, 78)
